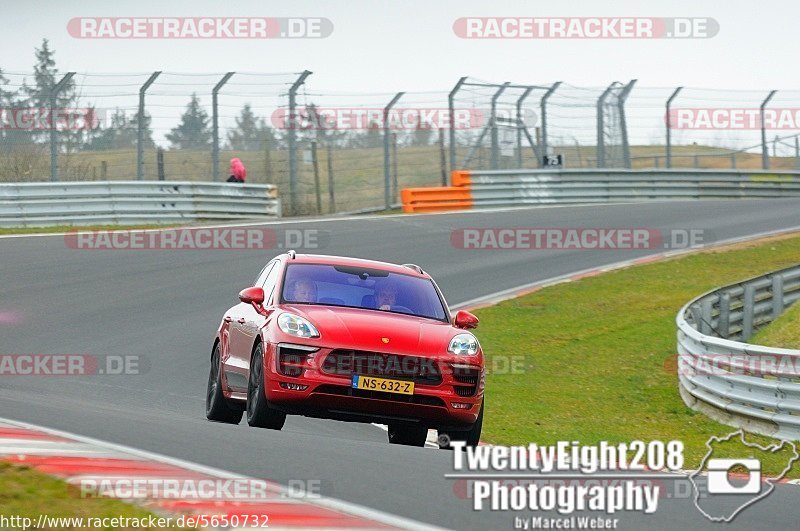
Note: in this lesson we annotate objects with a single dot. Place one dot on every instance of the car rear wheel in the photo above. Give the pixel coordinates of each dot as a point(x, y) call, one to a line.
point(407, 434)
point(218, 408)
point(259, 412)
point(471, 436)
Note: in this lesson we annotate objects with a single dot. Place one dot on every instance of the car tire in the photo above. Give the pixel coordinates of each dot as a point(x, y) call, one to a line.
point(471, 436)
point(408, 434)
point(259, 412)
point(218, 408)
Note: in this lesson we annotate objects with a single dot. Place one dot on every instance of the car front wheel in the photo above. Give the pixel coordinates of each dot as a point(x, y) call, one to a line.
point(471, 436)
point(259, 412)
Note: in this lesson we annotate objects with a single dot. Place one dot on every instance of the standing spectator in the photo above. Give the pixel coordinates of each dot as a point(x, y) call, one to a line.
point(238, 171)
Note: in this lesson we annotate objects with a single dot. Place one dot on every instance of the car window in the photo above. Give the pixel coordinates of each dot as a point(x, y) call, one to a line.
point(269, 282)
point(262, 277)
point(360, 287)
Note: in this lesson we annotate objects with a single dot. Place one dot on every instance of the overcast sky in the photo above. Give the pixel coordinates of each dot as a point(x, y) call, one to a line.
point(410, 45)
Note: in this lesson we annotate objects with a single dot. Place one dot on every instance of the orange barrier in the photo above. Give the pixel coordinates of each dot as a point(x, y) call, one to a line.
point(440, 198)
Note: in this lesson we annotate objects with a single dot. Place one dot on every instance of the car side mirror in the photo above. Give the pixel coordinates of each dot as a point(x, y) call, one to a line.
point(466, 320)
point(254, 295)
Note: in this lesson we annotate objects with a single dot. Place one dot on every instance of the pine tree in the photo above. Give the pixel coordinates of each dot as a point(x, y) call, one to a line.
point(251, 133)
point(193, 131)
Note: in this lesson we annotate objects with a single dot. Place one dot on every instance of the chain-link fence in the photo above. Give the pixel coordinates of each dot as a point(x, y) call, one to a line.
point(330, 151)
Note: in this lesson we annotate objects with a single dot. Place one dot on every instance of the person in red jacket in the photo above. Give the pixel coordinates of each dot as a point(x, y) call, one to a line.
point(238, 171)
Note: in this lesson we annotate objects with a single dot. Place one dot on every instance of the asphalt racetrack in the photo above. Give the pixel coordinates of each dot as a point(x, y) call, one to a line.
point(164, 306)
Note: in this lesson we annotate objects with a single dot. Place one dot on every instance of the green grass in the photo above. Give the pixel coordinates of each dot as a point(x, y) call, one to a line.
point(597, 355)
point(784, 332)
point(28, 493)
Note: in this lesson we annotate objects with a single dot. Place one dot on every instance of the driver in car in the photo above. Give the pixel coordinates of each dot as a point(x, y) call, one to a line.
point(304, 291)
point(386, 297)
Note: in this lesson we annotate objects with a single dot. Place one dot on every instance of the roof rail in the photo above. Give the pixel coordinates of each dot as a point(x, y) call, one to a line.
point(291, 254)
point(415, 267)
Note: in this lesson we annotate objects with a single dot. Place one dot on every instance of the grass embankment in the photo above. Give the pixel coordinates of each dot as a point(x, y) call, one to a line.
point(784, 332)
point(27, 493)
point(600, 353)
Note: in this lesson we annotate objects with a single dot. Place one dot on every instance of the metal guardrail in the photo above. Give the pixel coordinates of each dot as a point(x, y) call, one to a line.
point(733, 382)
point(133, 202)
point(486, 189)
point(522, 187)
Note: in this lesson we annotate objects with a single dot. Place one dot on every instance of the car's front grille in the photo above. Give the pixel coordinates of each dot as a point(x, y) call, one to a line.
point(466, 374)
point(348, 362)
point(379, 395)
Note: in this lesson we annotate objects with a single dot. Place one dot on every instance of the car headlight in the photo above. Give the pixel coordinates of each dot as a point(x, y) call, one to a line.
point(463, 345)
point(294, 325)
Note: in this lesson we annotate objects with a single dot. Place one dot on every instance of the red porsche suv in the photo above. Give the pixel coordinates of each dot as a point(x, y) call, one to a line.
point(348, 339)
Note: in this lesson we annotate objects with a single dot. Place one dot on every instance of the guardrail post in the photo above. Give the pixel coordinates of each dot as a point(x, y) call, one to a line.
point(140, 126)
point(543, 106)
point(747, 311)
point(292, 140)
point(452, 110)
point(764, 150)
point(724, 322)
point(493, 118)
point(386, 174)
point(777, 296)
point(215, 126)
point(626, 149)
point(53, 132)
point(706, 305)
point(669, 125)
point(601, 144)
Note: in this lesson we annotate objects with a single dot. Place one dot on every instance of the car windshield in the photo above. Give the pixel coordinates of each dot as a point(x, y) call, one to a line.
point(359, 287)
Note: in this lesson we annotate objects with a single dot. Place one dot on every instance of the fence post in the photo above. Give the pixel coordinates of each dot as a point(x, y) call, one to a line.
point(669, 125)
point(520, 125)
point(493, 118)
point(601, 143)
point(733, 160)
point(626, 148)
point(543, 128)
point(764, 150)
point(386, 176)
point(160, 163)
point(796, 153)
point(315, 165)
point(452, 110)
point(140, 125)
point(53, 132)
point(442, 160)
point(292, 140)
point(395, 185)
point(331, 193)
point(215, 126)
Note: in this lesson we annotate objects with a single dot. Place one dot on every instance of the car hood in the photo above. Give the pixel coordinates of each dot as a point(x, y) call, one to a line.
point(377, 331)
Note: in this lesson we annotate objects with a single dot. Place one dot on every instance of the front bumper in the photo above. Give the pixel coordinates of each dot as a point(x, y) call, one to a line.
point(437, 404)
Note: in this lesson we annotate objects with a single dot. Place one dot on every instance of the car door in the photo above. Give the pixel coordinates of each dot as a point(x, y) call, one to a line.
point(254, 321)
point(241, 319)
